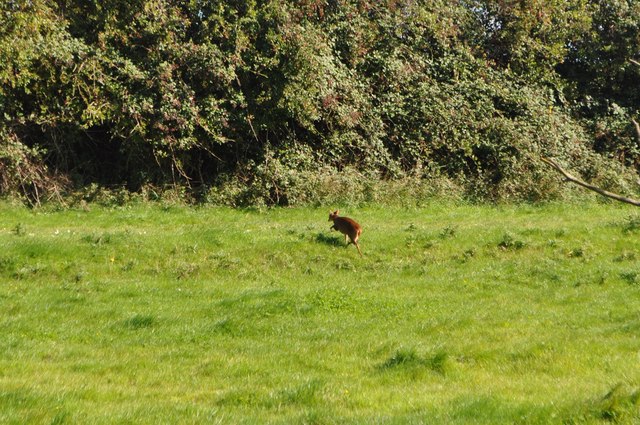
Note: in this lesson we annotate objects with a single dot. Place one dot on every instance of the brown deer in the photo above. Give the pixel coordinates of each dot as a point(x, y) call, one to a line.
point(348, 227)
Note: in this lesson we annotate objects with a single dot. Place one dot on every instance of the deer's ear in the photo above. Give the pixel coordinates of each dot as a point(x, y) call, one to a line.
point(336, 212)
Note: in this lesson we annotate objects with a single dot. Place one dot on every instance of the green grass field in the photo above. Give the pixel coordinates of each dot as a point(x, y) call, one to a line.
point(456, 314)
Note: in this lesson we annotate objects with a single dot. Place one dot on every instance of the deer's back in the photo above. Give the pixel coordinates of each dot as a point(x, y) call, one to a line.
point(347, 225)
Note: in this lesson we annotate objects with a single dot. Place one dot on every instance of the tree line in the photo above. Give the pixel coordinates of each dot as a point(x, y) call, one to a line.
point(264, 100)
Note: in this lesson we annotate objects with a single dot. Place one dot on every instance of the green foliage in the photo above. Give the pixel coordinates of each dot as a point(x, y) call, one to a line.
point(632, 224)
point(603, 82)
point(278, 95)
point(531, 38)
point(509, 242)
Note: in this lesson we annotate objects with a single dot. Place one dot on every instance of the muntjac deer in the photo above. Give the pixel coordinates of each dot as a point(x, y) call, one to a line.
point(348, 227)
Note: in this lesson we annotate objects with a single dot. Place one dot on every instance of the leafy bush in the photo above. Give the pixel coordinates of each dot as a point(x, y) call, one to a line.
point(282, 102)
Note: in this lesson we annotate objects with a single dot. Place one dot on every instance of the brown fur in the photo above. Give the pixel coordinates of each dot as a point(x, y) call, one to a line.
point(348, 227)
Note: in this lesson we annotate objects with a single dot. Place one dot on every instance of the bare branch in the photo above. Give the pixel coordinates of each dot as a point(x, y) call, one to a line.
point(635, 123)
point(634, 62)
point(596, 189)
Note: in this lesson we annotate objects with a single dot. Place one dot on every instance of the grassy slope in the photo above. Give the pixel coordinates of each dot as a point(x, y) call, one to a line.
point(456, 314)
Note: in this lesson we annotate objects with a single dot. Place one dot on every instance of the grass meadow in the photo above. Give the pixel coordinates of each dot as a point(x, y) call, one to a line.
point(456, 314)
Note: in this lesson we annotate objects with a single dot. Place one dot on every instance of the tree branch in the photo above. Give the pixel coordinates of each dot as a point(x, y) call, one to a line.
point(596, 189)
point(635, 123)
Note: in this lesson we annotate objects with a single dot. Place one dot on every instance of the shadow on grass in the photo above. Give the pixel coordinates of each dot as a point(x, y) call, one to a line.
point(409, 359)
point(329, 240)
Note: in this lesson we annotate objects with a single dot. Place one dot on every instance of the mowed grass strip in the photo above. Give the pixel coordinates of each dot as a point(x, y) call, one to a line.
point(456, 314)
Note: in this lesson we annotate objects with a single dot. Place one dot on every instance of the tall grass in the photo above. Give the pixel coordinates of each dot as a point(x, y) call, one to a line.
point(456, 314)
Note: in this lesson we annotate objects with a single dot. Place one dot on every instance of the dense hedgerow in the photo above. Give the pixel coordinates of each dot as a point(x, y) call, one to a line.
point(281, 102)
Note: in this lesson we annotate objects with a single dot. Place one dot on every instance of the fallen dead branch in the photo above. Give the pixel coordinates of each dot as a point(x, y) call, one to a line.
point(586, 185)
